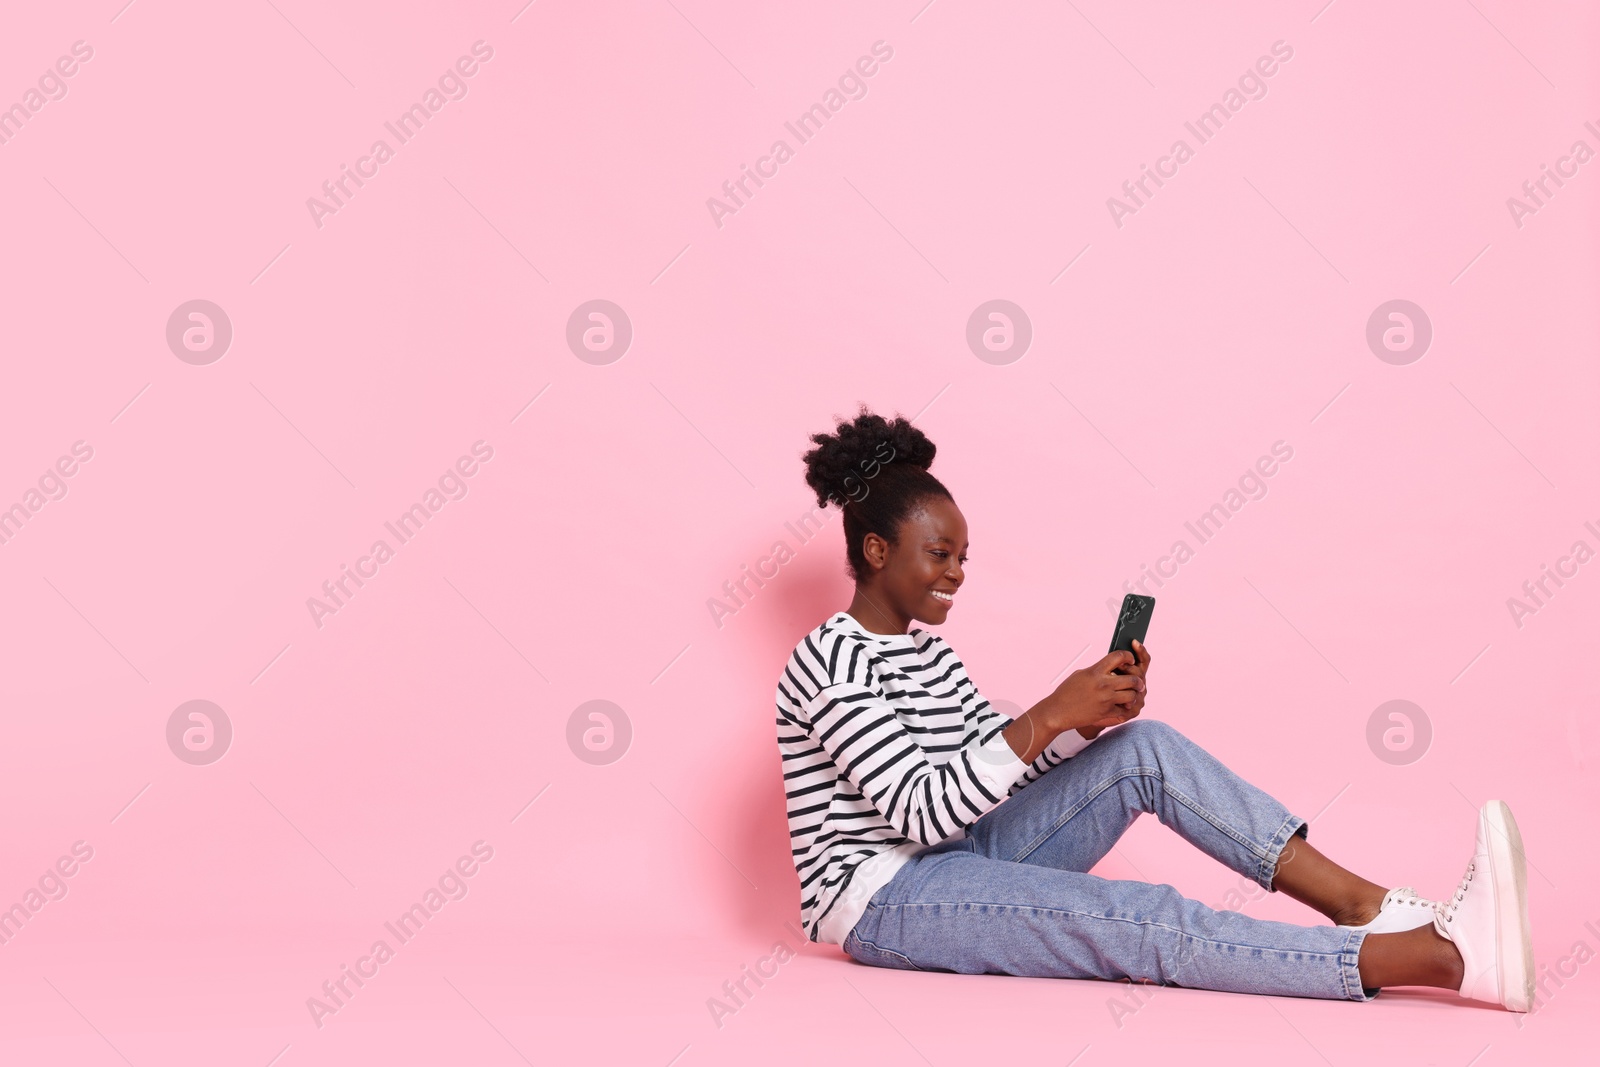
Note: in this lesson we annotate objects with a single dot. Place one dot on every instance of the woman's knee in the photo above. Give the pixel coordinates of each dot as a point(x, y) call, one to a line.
point(1155, 740)
point(1150, 732)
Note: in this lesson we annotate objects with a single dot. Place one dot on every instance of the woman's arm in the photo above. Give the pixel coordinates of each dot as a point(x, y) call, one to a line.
point(1087, 701)
point(924, 802)
point(927, 803)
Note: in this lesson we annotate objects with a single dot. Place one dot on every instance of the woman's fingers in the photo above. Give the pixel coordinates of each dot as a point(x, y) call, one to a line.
point(1119, 714)
point(1115, 661)
point(1121, 683)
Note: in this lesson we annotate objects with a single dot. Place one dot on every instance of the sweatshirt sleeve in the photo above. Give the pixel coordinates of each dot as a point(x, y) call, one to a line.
point(1067, 743)
point(1064, 746)
point(923, 801)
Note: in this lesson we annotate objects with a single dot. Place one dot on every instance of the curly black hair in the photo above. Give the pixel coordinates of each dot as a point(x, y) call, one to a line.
point(876, 470)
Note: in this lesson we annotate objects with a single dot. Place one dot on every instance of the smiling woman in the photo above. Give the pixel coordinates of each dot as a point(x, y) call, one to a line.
point(931, 832)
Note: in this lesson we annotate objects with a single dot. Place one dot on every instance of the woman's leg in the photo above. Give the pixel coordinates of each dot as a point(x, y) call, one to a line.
point(952, 909)
point(1308, 876)
point(1415, 957)
point(1072, 816)
point(956, 910)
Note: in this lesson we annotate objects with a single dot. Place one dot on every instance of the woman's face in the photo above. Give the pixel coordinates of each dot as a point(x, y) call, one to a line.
point(926, 563)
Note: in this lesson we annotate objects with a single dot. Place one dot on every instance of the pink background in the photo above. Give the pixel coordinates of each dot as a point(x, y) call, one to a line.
point(368, 354)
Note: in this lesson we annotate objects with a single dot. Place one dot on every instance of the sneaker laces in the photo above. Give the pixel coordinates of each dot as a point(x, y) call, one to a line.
point(1404, 894)
point(1447, 910)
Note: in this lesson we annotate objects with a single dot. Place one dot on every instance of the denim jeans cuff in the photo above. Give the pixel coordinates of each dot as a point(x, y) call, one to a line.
point(1292, 825)
point(1349, 969)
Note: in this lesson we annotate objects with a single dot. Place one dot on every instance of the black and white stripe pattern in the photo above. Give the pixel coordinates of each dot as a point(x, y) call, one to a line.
point(885, 742)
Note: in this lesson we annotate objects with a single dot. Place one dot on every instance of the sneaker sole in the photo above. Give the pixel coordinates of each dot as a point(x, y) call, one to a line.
point(1513, 939)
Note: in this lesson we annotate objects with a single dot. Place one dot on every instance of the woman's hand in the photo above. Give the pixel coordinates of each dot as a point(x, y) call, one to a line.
point(1102, 694)
point(1141, 670)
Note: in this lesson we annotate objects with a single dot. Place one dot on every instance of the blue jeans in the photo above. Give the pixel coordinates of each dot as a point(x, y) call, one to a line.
point(1014, 895)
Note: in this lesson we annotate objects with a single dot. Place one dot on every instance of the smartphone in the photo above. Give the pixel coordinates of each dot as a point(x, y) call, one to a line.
point(1133, 622)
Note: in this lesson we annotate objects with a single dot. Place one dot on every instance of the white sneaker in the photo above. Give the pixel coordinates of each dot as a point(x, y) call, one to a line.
point(1401, 910)
point(1487, 918)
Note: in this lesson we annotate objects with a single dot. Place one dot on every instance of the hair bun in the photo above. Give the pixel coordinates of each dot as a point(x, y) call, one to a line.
point(858, 449)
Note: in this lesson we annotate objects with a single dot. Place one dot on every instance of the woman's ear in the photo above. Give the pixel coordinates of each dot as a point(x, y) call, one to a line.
point(876, 549)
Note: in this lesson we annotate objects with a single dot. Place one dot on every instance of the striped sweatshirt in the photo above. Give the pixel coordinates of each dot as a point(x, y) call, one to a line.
point(887, 749)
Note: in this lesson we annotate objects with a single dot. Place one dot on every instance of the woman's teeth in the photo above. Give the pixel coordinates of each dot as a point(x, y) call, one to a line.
point(947, 597)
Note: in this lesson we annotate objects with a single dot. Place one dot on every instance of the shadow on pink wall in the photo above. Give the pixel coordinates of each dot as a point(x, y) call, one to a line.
point(807, 591)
